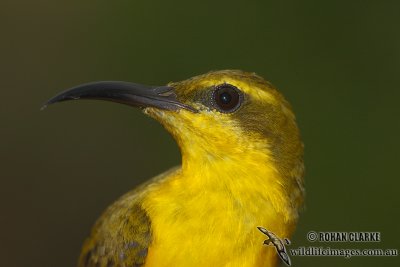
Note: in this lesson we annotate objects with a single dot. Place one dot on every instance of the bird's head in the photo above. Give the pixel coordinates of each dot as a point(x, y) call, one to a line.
point(219, 116)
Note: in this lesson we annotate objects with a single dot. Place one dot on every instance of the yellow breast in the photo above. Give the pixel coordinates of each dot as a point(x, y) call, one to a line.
point(207, 213)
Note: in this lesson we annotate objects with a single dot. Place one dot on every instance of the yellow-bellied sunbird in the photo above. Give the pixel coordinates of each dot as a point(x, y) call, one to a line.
point(242, 168)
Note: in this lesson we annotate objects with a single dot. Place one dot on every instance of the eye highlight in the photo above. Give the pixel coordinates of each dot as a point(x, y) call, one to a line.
point(227, 98)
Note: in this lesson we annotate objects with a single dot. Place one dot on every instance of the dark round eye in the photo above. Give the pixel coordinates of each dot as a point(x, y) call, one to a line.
point(227, 98)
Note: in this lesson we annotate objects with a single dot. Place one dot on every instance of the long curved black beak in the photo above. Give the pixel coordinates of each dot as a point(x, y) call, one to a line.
point(131, 94)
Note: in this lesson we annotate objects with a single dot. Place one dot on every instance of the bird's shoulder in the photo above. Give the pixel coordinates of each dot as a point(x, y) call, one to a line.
point(122, 235)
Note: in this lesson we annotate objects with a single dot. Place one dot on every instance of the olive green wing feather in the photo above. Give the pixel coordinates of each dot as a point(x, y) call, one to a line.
point(121, 237)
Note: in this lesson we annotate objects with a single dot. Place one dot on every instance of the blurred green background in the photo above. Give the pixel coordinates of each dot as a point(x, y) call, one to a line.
point(337, 62)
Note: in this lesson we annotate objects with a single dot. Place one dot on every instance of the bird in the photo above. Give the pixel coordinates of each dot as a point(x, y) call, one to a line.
point(242, 167)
